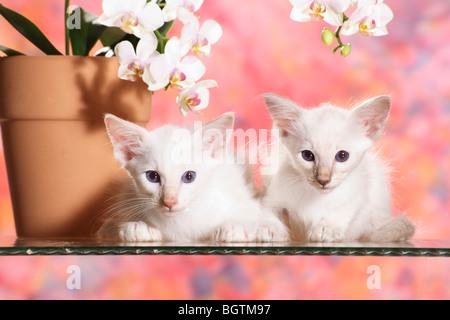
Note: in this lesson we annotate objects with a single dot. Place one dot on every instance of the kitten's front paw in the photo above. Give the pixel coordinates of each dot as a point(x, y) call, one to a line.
point(269, 233)
point(325, 233)
point(138, 231)
point(231, 233)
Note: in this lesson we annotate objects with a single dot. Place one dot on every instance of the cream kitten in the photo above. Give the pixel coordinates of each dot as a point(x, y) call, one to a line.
point(331, 188)
point(182, 187)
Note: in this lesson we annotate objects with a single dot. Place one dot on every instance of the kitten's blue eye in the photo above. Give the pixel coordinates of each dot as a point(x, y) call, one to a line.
point(308, 155)
point(188, 176)
point(153, 176)
point(342, 156)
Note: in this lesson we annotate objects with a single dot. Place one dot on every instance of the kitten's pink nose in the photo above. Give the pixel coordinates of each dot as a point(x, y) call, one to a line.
point(170, 203)
point(323, 183)
point(323, 176)
point(170, 197)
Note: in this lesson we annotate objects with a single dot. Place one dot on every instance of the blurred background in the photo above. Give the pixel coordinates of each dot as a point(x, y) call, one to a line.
point(262, 50)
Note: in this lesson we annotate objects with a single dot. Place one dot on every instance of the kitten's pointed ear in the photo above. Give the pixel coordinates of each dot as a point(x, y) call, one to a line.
point(372, 115)
point(215, 134)
point(126, 138)
point(284, 113)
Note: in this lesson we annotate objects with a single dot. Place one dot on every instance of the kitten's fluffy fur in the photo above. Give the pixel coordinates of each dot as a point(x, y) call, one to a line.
point(217, 204)
point(328, 200)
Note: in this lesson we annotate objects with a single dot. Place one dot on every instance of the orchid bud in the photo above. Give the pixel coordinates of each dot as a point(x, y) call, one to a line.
point(346, 49)
point(327, 36)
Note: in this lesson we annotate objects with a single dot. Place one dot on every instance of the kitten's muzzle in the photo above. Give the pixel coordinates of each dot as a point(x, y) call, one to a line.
point(323, 183)
point(323, 176)
point(170, 198)
point(170, 204)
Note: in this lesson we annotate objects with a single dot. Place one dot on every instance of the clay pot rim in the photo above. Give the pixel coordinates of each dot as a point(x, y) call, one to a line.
point(53, 57)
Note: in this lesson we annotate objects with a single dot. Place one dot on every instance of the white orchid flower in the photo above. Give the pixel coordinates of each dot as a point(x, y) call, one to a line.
point(133, 65)
point(369, 19)
point(172, 8)
point(195, 97)
point(169, 69)
point(330, 11)
point(132, 16)
point(199, 38)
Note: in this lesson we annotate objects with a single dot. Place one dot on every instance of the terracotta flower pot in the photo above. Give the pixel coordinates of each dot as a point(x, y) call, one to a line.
point(59, 159)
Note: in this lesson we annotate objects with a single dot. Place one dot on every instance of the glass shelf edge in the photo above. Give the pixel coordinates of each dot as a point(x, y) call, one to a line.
point(419, 248)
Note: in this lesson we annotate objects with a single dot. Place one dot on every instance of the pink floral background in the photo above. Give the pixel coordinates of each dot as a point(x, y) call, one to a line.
point(262, 51)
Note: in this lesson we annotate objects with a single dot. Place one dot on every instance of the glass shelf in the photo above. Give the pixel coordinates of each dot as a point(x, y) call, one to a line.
point(10, 246)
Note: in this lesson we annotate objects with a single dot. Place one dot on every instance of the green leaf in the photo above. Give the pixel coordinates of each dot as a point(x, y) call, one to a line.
point(83, 33)
point(166, 28)
point(29, 30)
point(113, 35)
point(10, 52)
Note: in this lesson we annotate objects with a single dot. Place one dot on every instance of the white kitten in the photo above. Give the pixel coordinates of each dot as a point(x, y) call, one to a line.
point(331, 188)
point(183, 189)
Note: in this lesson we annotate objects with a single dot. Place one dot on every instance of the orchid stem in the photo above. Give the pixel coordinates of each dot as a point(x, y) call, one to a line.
point(161, 41)
point(337, 34)
point(66, 16)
